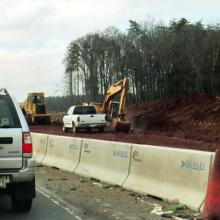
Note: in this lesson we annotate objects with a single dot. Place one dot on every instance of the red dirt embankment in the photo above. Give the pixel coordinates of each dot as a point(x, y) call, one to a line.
point(190, 122)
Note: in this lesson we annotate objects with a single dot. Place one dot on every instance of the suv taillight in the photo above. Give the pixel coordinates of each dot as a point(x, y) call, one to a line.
point(26, 144)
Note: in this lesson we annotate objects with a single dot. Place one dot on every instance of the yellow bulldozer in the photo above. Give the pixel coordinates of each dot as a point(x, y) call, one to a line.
point(114, 110)
point(34, 109)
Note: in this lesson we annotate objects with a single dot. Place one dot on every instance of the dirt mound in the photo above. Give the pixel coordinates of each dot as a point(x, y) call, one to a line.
point(196, 111)
point(194, 117)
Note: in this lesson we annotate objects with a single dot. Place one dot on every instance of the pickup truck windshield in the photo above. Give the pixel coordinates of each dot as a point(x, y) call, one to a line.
point(8, 114)
point(84, 110)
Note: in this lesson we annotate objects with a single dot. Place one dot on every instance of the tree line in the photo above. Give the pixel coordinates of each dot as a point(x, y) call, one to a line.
point(161, 61)
point(60, 104)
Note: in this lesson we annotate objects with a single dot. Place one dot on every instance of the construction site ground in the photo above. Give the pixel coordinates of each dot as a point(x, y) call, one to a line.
point(191, 123)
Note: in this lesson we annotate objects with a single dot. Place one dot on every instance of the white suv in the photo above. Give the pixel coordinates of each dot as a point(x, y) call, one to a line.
point(17, 167)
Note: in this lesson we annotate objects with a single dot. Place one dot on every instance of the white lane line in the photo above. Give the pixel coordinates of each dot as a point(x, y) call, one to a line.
point(60, 202)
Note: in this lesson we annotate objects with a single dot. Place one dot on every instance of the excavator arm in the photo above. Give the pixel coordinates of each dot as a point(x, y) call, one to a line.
point(121, 87)
point(115, 89)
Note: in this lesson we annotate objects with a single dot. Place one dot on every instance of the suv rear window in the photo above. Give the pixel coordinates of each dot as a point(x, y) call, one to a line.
point(8, 114)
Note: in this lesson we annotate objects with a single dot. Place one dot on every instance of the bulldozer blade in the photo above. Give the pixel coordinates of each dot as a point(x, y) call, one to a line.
point(44, 120)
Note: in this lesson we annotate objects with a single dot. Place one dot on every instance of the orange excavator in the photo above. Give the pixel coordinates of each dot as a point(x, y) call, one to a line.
point(115, 111)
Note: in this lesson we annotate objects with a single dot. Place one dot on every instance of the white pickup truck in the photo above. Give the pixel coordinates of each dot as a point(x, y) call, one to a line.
point(83, 117)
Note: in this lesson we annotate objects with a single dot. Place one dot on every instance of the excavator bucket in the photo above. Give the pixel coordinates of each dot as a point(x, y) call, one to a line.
point(121, 125)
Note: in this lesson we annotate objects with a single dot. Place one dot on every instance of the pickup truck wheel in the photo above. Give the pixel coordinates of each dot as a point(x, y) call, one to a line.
point(75, 129)
point(21, 205)
point(89, 129)
point(101, 130)
point(64, 129)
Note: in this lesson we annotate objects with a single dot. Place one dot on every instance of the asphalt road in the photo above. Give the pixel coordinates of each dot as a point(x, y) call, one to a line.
point(42, 209)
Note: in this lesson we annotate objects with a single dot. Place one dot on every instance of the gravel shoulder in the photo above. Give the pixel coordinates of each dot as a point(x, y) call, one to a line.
point(92, 199)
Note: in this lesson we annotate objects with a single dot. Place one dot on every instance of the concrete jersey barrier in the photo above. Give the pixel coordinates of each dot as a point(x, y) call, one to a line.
point(104, 160)
point(39, 142)
point(63, 152)
point(168, 173)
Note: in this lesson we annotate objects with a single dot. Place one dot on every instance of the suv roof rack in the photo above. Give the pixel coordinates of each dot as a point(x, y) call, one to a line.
point(4, 91)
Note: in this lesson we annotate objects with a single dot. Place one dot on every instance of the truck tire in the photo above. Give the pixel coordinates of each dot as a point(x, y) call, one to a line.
point(101, 130)
point(89, 130)
point(21, 205)
point(22, 194)
point(64, 129)
point(75, 129)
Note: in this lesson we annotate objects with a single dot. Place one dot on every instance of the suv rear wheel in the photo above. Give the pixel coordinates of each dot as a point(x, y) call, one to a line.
point(21, 205)
point(22, 195)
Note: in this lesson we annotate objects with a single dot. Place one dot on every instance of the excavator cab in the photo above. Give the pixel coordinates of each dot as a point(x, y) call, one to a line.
point(114, 109)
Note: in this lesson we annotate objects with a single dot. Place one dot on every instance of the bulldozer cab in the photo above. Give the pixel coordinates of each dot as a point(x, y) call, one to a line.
point(36, 103)
point(36, 98)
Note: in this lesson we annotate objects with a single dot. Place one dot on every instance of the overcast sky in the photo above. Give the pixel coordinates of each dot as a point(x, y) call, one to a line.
point(35, 33)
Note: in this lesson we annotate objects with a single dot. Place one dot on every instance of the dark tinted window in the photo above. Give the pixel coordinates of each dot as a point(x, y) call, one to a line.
point(91, 110)
point(8, 115)
point(37, 99)
point(84, 110)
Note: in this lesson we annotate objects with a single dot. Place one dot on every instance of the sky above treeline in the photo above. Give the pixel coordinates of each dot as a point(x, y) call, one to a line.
point(34, 34)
